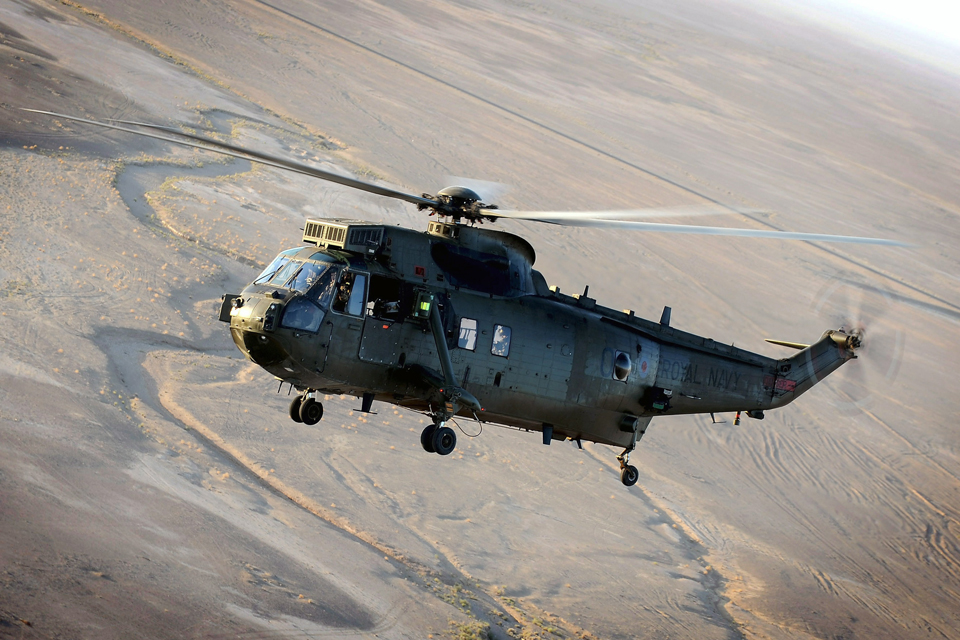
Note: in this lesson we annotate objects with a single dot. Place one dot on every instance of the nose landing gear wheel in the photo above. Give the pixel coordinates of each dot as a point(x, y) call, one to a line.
point(295, 409)
point(310, 411)
point(444, 441)
point(426, 438)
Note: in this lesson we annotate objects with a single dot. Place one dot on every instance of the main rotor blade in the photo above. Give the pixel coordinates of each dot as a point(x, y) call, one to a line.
point(606, 223)
point(248, 154)
point(571, 217)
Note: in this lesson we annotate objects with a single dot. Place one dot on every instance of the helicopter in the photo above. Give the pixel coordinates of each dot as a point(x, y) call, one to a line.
point(456, 322)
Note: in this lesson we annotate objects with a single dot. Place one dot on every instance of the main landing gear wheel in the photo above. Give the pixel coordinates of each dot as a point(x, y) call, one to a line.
point(295, 409)
point(426, 438)
point(310, 411)
point(444, 441)
point(628, 473)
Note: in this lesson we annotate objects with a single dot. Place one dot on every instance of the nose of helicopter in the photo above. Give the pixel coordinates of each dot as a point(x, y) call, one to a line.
point(251, 324)
point(260, 348)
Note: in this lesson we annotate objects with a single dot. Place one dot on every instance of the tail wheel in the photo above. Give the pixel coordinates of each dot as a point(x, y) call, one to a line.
point(629, 475)
point(295, 409)
point(444, 441)
point(311, 411)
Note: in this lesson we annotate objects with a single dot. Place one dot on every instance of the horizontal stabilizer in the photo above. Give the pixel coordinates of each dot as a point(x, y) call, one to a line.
point(784, 343)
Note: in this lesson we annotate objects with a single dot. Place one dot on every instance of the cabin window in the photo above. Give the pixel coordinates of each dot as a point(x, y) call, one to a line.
point(388, 298)
point(501, 341)
point(468, 334)
point(621, 366)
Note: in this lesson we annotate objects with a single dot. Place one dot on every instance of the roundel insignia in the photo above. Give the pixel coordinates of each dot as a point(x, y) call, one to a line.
point(643, 368)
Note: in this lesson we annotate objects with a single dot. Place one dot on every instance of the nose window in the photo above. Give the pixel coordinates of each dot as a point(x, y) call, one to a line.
point(302, 314)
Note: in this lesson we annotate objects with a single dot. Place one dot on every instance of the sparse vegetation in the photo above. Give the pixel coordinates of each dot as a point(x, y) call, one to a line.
point(363, 171)
point(12, 288)
point(471, 630)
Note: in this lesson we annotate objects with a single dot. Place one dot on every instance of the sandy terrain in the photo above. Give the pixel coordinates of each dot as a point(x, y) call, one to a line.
point(151, 484)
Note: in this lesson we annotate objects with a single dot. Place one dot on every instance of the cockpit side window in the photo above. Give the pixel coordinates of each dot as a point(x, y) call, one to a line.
point(351, 293)
point(357, 296)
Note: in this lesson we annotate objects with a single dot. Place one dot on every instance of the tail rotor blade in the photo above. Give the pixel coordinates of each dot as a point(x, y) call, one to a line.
point(871, 312)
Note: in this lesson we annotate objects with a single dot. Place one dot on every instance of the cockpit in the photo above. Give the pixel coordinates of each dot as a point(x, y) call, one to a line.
point(288, 272)
point(307, 285)
point(307, 281)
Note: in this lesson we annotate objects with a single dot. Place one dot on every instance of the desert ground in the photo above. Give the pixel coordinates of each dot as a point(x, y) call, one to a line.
point(151, 483)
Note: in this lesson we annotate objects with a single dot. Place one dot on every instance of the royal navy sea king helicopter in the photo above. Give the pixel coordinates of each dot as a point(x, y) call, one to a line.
point(455, 321)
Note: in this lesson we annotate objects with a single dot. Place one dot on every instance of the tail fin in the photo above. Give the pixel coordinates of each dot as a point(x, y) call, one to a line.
point(811, 365)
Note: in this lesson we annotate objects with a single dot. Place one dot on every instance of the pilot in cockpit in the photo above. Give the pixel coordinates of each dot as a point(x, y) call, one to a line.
point(343, 291)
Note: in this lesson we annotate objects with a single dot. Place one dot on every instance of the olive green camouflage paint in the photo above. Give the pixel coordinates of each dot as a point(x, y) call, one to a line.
point(534, 357)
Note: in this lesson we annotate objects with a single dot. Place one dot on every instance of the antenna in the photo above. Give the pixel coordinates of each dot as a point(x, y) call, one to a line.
point(665, 317)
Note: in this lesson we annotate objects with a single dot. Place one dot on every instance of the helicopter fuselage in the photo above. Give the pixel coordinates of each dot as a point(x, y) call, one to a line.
point(358, 324)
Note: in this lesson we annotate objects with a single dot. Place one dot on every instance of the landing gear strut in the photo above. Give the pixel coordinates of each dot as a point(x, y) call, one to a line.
point(437, 437)
point(628, 473)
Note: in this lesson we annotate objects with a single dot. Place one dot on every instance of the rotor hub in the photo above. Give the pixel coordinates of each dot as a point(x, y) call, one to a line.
point(458, 203)
point(458, 194)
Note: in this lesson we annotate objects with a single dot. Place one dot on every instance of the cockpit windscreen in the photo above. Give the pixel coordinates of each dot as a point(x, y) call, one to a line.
point(299, 275)
point(277, 264)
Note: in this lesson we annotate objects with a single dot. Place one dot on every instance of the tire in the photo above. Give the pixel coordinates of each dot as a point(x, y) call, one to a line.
point(311, 411)
point(444, 441)
point(629, 475)
point(295, 409)
point(426, 438)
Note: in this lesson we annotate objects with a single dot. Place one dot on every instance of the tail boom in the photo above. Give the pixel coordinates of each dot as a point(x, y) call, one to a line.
point(795, 375)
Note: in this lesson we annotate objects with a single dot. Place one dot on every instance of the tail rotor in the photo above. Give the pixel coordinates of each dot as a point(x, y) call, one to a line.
point(869, 314)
